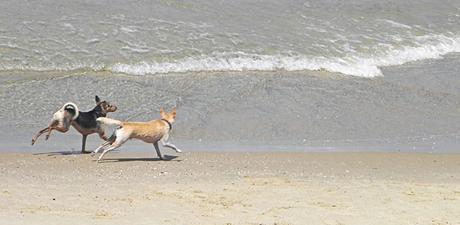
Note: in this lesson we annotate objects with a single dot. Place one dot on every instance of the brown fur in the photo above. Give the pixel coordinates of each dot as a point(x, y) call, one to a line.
point(150, 132)
point(61, 122)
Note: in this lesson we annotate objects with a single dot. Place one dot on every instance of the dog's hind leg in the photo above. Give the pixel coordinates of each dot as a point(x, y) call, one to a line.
point(158, 150)
point(117, 139)
point(49, 133)
point(109, 141)
point(34, 139)
point(55, 125)
point(105, 144)
point(112, 147)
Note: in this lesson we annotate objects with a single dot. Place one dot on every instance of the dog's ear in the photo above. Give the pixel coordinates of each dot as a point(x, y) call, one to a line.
point(97, 99)
point(173, 112)
point(162, 112)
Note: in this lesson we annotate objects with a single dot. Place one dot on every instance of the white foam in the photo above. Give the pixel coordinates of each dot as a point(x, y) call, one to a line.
point(354, 63)
point(243, 62)
point(137, 50)
point(128, 29)
point(65, 67)
point(396, 24)
point(92, 41)
point(426, 47)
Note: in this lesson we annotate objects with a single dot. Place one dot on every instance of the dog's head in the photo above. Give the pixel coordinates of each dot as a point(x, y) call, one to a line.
point(170, 117)
point(105, 106)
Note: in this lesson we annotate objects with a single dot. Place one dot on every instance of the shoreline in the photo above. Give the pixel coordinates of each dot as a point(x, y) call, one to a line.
point(230, 188)
point(71, 142)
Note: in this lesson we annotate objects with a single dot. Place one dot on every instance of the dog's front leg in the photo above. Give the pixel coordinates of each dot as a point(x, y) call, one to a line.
point(169, 145)
point(83, 144)
point(158, 150)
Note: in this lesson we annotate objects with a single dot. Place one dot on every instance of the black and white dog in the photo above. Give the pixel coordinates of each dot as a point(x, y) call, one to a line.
point(84, 122)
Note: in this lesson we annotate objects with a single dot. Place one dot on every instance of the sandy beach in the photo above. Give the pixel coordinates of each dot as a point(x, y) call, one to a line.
point(230, 188)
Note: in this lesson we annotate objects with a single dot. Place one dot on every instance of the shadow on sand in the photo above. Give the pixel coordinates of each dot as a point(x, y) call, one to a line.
point(61, 153)
point(108, 160)
point(152, 159)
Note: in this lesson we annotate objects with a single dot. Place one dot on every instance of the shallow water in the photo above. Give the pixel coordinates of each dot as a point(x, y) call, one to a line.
point(245, 75)
point(414, 107)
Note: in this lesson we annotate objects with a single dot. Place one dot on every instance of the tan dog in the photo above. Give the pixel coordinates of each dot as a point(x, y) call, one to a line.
point(150, 132)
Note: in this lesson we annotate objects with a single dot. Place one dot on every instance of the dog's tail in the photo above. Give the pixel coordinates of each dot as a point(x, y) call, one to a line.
point(72, 109)
point(108, 121)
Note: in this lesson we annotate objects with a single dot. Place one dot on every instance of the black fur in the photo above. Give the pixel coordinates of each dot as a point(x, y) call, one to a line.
point(169, 124)
point(88, 119)
point(86, 123)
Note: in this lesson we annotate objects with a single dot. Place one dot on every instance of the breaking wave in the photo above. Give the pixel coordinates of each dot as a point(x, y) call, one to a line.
point(431, 47)
point(356, 64)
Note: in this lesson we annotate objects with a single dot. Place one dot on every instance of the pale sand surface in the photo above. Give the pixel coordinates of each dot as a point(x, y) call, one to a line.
point(230, 188)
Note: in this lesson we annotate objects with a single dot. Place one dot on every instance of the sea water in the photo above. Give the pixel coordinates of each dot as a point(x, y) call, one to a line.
point(255, 75)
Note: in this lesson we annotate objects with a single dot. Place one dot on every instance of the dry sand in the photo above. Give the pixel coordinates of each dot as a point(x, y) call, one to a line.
point(230, 188)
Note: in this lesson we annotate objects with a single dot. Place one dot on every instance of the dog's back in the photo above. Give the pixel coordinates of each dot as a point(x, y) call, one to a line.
point(149, 132)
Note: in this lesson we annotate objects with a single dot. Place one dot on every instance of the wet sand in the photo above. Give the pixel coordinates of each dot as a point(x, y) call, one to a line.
point(230, 188)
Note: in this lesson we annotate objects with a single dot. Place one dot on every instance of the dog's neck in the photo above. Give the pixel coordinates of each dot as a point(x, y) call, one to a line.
point(169, 123)
point(99, 112)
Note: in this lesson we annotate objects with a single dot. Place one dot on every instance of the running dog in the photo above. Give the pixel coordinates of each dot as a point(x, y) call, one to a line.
point(84, 122)
point(61, 121)
point(150, 132)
